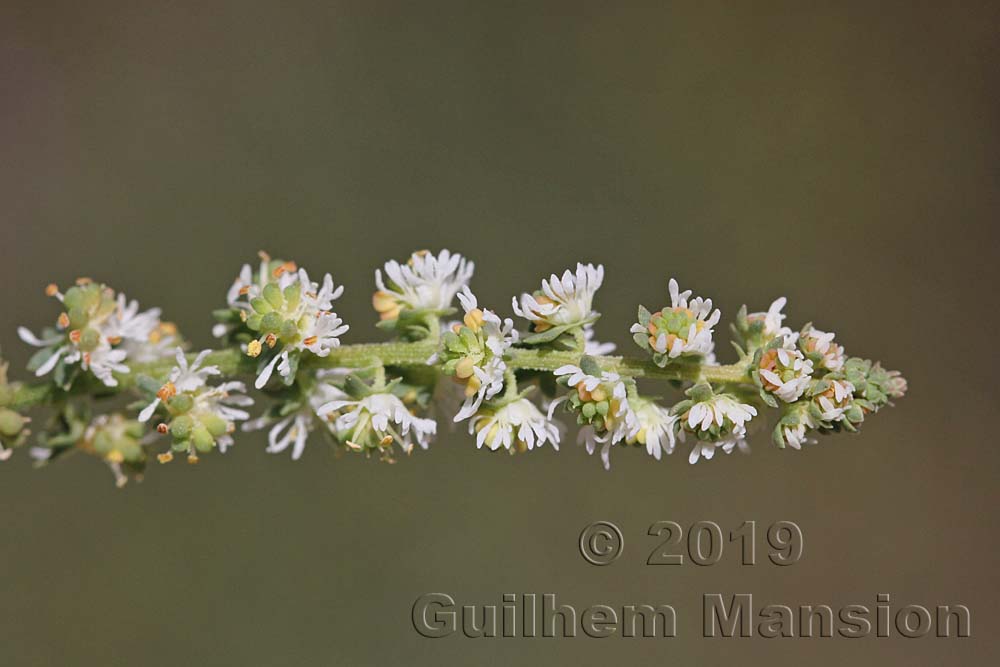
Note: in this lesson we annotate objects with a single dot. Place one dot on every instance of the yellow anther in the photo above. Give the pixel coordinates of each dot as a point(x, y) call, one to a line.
point(51, 289)
point(166, 392)
point(354, 446)
point(385, 441)
point(162, 429)
point(166, 457)
point(599, 394)
point(310, 341)
point(63, 320)
point(464, 368)
point(271, 340)
point(253, 348)
point(383, 301)
point(474, 319)
point(472, 386)
point(75, 335)
point(287, 267)
point(83, 280)
point(192, 458)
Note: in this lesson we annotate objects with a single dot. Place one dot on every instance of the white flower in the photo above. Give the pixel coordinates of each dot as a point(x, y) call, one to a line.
point(103, 362)
point(378, 420)
point(796, 436)
point(476, 357)
point(425, 282)
point(183, 377)
point(98, 334)
point(127, 323)
point(225, 401)
point(683, 329)
point(814, 341)
point(593, 347)
point(161, 343)
point(833, 402)
point(618, 423)
point(705, 449)
point(314, 328)
point(656, 428)
point(564, 301)
point(772, 320)
point(701, 450)
point(785, 372)
point(719, 410)
point(517, 424)
point(293, 431)
point(590, 439)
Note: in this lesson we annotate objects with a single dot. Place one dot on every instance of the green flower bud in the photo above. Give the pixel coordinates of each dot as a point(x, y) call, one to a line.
point(181, 427)
point(202, 439)
point(11, 423)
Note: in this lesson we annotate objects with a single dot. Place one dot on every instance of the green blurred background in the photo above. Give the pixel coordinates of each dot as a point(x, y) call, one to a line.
point(843, 156)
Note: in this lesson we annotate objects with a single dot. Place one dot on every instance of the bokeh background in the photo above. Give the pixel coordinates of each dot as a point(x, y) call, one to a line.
point(843, 156)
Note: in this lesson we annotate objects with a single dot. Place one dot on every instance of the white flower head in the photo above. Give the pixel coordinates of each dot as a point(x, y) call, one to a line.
point(796, 435)
point(563, 301)
point(473, 353)
point(183, 378)
point(225, 403)
point(515, 426)
point(293, 319)
point(819, 344)
point(785, 372)
point(835, 400)
point(657, 428)
point(293, 430)
point(716, 416)
point(772, 320)
point(705, 449)
point(424, 282)
point(378, 420)
point(685, 328)
point(601, 402)
point(95, 330)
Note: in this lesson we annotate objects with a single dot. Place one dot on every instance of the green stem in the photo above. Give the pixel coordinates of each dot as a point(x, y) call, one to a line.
point(233, 363)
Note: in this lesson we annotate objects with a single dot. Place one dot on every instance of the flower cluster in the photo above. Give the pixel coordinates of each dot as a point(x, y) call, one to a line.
point(291, 317)
point(424, 286)
point(95, 332)
point(715, 420)
point(473, 353)
point(377, 398)
point(199, 417)
point(562, 304)
point(599, 399)
point(683, 329)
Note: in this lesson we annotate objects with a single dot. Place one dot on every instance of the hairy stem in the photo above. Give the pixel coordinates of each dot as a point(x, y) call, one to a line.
point(233, 363)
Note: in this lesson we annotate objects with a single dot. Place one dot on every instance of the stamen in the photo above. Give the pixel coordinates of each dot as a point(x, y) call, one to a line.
point(166, 457)
point(166, 392)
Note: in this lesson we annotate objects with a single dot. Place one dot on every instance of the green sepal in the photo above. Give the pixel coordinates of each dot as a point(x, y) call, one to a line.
point(356, 388)
point(700, 392)
point(590, 366)
point(778, 435)
point(39, 358)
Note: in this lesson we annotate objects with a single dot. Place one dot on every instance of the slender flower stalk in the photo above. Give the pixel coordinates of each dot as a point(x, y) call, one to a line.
point(376, 398)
